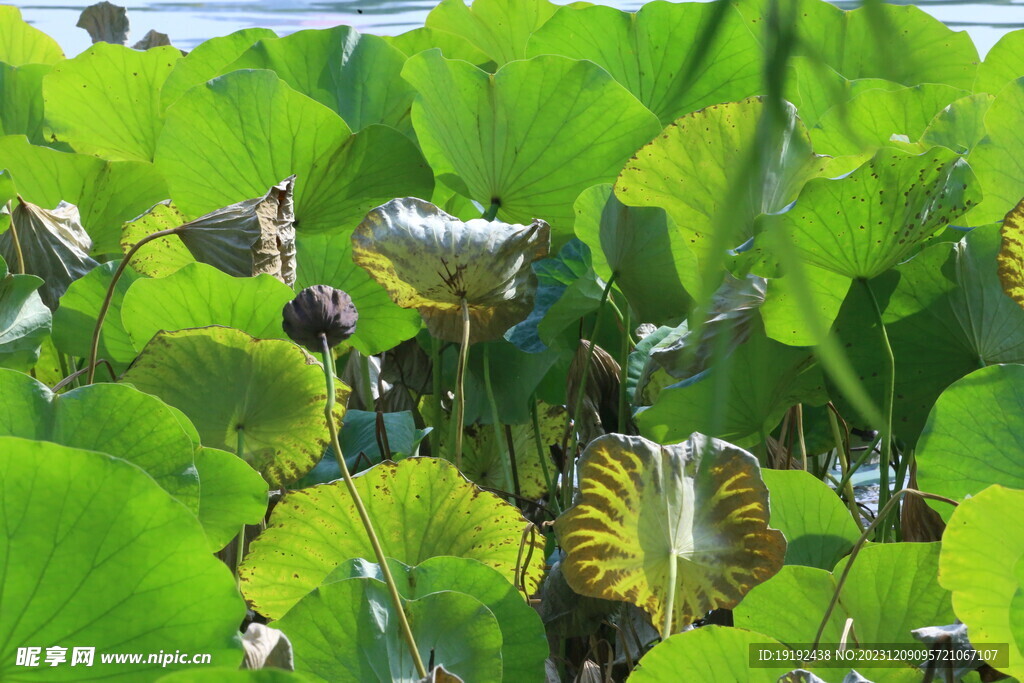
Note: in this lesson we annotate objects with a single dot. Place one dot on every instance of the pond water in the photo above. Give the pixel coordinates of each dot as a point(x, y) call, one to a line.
point(190, 23)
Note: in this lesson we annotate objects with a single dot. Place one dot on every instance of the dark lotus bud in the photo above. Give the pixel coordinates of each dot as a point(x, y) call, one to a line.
point(317, 310)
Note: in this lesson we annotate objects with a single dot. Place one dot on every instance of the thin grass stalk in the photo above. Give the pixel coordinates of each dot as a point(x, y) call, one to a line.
point(460, 381)
point(403, 622)
point(800, 435)
point(507, 466)
point(883, 470)
point(844, 461)
point(535, 418)
point(435, 379)
point(624, 371)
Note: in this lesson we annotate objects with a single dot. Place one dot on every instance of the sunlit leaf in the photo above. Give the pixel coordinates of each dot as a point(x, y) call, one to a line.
point(431, 261)
point(99, 556)
point(357, 75)
point(75, 320)
point(997, 158)
point(226, 382)
point(270, 132)
point(232, 494)
point(987, 595)
point(498, 28)
point(961, 125)
point(21, 43)
point(452, 46)
point(1003, 63)
point(530, 137)
point(207, 60)
point(21, 100)
point(104, 417)
point(421, 508)
point(715, 654)
point(1011, 254)
point(660, 53)
point(699, 505)
point(164, 255)
point(106, 101)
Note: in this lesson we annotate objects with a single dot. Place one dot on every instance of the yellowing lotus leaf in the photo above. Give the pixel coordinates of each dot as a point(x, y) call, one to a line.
point(1011, 254)
point(699, 504)
point(429, 260)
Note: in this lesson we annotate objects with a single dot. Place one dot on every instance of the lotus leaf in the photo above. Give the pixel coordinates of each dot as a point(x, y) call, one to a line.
point(695, 513)
point(429, 260)
point(104, 417)
point(347, 632)
point(356, 75)
point(24, 320)
point(1003, 63)
point(961, 125)
point(675, 57)
point(97, 555)
point(21, 100)
point(645, 251)
point(270, 132)
point(996, 158)
point(75, 320)
point(714, 654)
point(421, 508)
point(522, 649)
point(208, 60)
point(690, 168)
point(199, 295)
point(863, 224)
point(452, 46)
point(105, 22)
point(785, 319)
point(987, 596)
point(982, 409)
point(21, 43)
point(498, 28)
point(530, 137)
point(107, 193)
point(106, 101)
point(226, 382)
point(1011, 254)
point(818, 527)
point(233, 494)
point(161, 256)
point(815, 88)
point(383, 324)
point(515, 376)
point(50, 244)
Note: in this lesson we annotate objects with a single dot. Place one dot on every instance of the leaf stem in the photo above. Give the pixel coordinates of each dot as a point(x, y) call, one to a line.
point(624, 371)
point(673, 563)
point(403, 622)
point(95, 345)
point(240, 542)
point(538, 440)
point(492, 210)
point(860, 544)
point(844, 461)
point(460, 381)
point(435, 378)
point(17, 245)
point(883, 470)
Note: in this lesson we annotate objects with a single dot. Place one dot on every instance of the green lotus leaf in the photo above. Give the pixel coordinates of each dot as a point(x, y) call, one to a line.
point(890, 591)
point(961, 125)
point(982, 409)
point(996, 159)
point(515, 376)
point(818, 527)
point(347, 632)
point(652, 263)
point(104, 417)
point(863, 224)
point(327, 260)
point(106, 101)
point(715, 654)
point(986, 595)
point(226, 382)
point(523, 647)
point(207, 61)
point(498, 28)
point(763, 378)
point(899, 43)
point(530, 137)
point(50, 244)
point(1003, 63)
point(199, 295)
point(785, 319)
point(356, 75)
point(431, 261)
point(99, 556)
point(107, 193)
point(21, 43)
point(271, 132)
point(21, 100)
point(233, 494)
point(24, 320)
point(659, 52)
point(164, 255)
point(74, 322)
point(699, 505)
point(689, 169)
point(452, 46)
point(815, 87)
point(421, 508)
point(486, 463)
point(217, 674)
point(946, 316)
point(871, 118)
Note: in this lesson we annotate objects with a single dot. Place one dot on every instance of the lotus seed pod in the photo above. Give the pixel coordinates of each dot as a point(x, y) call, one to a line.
point(317, 310)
